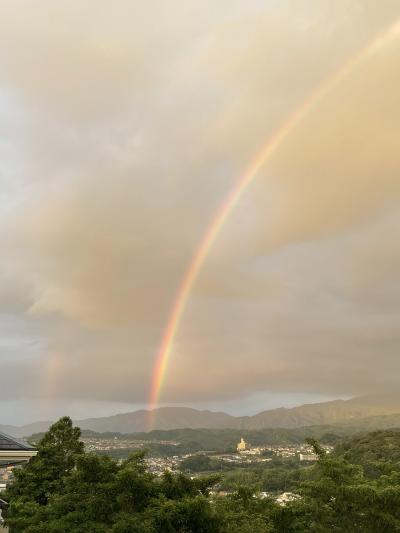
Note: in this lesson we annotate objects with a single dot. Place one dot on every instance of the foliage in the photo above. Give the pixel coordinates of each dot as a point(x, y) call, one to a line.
point(243, 513)
point(66, 490)
point(57, 454)
point(266, 478)
point(377, 452)
point(200, 463)
point(341, 498)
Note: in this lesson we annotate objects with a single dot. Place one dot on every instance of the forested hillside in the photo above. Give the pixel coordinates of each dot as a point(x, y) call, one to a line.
point(377, 452)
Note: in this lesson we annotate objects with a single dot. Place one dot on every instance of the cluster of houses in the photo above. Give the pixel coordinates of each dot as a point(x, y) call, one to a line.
point(303, 452)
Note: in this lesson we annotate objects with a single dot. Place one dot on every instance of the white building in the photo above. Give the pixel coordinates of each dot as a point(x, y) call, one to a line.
point(286, 497)
point(242, 445)
point(308, 457)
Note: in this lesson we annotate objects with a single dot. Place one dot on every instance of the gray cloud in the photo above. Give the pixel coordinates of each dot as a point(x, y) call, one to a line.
point(125, 129)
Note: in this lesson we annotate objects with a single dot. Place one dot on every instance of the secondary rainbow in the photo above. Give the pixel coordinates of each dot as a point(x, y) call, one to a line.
point(214, 228)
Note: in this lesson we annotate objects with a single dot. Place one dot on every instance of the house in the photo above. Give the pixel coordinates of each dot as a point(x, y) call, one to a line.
point(14, 451)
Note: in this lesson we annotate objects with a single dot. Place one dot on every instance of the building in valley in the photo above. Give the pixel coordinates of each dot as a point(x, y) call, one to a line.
point(242, 445)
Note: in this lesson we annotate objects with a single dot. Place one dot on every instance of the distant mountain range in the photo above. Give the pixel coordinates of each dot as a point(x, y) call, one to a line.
point(333, 412)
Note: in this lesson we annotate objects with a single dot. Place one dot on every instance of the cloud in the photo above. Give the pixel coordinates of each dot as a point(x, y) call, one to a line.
point(125, 130)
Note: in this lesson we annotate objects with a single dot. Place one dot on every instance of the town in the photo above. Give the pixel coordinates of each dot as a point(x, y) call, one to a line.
point(245, 454)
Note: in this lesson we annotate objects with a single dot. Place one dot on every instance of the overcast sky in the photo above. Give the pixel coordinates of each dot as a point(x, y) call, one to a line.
point(124, 125)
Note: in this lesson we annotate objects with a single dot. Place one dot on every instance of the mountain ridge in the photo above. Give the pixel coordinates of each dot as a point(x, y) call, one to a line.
point(164, 418)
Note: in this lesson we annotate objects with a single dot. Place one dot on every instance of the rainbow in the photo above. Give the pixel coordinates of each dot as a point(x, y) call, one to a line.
point(217, 223)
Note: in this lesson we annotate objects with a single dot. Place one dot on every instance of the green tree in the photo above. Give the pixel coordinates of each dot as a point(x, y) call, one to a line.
point(200, 463)
point(65, 490)
point(243, 512)
point(341, 499)
point(44, 475)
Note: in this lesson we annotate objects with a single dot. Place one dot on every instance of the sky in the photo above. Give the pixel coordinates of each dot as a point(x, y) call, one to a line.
point(124, 126)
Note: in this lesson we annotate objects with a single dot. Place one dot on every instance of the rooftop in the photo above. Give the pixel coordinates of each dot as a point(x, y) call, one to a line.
point(14, 450)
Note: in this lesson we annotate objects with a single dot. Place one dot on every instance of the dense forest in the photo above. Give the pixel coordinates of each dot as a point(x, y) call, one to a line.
point(66, 490)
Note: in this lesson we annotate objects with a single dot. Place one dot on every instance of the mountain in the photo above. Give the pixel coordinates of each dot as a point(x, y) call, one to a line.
point(136, 421)
point(165, 418)
point(25, 431)
point(333, 412)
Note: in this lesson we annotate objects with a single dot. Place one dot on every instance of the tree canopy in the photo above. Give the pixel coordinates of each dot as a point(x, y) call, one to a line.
point(64, 489)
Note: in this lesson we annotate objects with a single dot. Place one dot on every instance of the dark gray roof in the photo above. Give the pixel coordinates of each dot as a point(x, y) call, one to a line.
point(11, 443)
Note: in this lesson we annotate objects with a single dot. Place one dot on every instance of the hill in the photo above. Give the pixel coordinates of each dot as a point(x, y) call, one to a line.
point(27, 430)
point(373, 450)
